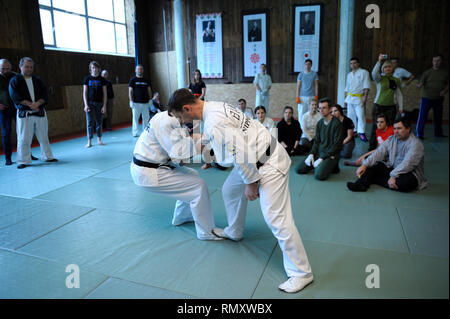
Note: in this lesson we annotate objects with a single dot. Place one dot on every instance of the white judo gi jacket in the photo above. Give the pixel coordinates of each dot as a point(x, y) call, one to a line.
point(237, 138)
point(163, 140)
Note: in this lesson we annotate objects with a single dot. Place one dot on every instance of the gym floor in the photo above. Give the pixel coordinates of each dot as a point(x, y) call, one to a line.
point(85, 210)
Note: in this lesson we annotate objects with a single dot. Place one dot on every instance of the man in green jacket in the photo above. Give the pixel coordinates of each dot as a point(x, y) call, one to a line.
point(325, 153)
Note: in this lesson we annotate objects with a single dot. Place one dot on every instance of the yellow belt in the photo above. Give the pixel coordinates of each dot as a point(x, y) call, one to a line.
point(357, 95)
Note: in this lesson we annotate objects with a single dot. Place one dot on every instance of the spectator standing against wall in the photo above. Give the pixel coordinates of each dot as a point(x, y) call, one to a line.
point(110, 101)
point(434, 85)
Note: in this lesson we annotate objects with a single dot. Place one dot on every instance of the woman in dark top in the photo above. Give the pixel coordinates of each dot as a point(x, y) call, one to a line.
point(198, 87)
point(289, 132)
point(349, 141)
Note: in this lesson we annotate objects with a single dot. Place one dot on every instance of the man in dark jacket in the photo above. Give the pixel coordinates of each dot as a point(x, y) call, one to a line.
point(7, 109)
point(29, 95)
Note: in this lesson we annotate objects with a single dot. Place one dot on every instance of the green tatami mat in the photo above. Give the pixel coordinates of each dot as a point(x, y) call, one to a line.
point(340, 272)
point(426, 231)
point(27, 277)
point(349, 224)
point(121, 289)
point(335, 193)
point(121, 172)
point(105, 193)
point(23, 220)
point(145, 250)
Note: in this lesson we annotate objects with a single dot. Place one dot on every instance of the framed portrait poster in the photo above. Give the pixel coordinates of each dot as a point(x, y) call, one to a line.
point(255, 24)
point(209, 45)
point(306, 36)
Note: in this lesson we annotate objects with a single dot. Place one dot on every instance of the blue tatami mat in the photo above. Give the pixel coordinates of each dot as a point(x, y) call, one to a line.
point(148, 250)
point(85, 210)
point(121, 289)
point(28, 277)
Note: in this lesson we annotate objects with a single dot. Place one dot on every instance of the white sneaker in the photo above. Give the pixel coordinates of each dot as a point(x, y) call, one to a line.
point(295, 284)
point(219, 232)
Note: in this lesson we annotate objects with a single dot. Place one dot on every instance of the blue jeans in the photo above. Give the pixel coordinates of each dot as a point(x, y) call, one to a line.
point(425, 106)
point(94, 118)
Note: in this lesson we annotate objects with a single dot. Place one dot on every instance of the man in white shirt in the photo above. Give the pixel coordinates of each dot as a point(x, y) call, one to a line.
point(30, 97)
point(263, 83)
point(404, 75)
point(357, 88)
point(163, 143)
point(261, 170)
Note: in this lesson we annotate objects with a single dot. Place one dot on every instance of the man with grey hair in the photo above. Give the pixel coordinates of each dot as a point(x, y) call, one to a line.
point(29, 94)
point(7, 109)
point(397, 164)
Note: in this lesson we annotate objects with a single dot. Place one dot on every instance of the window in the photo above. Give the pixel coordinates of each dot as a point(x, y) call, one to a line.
point(86, 25)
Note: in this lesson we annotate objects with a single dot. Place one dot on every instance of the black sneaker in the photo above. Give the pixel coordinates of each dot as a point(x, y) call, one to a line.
point(8, 162)
point(20, 166)
point(34, 158)
point(336, 170)
point(356, 187)
point(52, 160)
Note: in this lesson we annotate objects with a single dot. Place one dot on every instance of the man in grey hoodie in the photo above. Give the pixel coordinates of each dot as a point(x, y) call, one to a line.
point(397, 164)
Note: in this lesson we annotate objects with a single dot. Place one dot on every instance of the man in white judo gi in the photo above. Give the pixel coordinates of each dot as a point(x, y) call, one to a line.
point(156, 165)
point(261, 170)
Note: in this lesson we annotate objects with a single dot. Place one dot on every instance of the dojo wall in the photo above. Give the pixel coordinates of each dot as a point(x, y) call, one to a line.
point(409, 29)
point(61, 71)
point(416, 26)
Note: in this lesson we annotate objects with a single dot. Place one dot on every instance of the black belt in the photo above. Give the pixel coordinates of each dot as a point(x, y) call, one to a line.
point(150, 165)
point(269, 151)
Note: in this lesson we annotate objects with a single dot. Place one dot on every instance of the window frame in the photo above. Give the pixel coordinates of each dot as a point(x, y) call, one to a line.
point(86, 17)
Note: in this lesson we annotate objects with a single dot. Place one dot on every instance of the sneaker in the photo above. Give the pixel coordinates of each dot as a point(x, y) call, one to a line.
point(356, 187)
point(20, 166)
point(8, 162)
point(350, 163)
point(33, 158)
point(363, 137)
point(336, 170)
point(219, 232)
point(52, 160)
point(295, 284)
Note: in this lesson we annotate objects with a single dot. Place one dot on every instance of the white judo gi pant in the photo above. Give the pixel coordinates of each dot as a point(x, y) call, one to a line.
point(140, 109)
point(276, 208)
point(185, 185)
point(26, 127)
point(357, 113)
point(262, 100)
point(303, 107)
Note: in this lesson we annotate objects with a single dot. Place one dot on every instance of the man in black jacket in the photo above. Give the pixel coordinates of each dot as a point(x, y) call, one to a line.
point(7, 109)
point(29, 95)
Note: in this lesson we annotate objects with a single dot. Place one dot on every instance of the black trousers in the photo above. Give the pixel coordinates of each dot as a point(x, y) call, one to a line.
point(390, 112)
point(379, 174)
point(6, 118)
